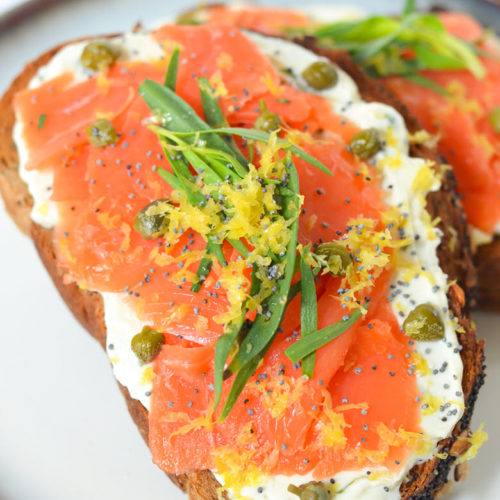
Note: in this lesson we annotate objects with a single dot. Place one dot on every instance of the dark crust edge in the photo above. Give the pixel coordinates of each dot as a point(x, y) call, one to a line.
point(425, 479)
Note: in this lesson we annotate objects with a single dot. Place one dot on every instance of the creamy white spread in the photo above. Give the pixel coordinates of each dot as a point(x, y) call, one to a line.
point(441, 384)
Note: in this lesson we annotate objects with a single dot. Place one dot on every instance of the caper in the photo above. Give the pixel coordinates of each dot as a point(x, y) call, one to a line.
point(495, 119)
point(336, 255)
point(151, 225)
point(101, 133)
point(424, 323)
point(320, 75)
point(98, 55)
point(366, 143)
point(267, 121)
point(147, 344)
point(310, 491)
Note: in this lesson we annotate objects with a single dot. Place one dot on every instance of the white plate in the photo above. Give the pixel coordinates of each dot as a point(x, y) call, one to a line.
point(65, 433)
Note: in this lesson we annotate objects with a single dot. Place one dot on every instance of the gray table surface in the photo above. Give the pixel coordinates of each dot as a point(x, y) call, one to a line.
point(64, 430)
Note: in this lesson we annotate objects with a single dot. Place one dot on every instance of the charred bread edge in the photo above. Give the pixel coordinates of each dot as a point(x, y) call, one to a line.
point(425, 480)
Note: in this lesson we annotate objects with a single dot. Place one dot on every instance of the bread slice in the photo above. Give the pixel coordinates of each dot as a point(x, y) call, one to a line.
point(425, 480)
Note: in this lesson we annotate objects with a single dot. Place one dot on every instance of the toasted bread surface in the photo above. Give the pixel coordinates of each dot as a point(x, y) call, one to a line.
point(425, 480)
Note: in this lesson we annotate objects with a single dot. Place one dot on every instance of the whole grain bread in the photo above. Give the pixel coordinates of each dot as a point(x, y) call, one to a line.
point(425, 481)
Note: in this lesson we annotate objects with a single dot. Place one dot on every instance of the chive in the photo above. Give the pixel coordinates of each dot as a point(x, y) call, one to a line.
point(241, 380)
point(239, 246)
point(294, 290)
point(41, 121)
point(214, 116)
point(240, 169)
point(211, 108)
point(227, 340)
point(178, 184)
point(222, 169)
point(173, 66)
point(204, 169)
point(284, 101)
point(182, 167)
point(264, 327)
point(308, 313)
point(222, 349)
point(259, 135)
point(215, 248)
point(319, 338)
point(202, 273)
point(297, 287)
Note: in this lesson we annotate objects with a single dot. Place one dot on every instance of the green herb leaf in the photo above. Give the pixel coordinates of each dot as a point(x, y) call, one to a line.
point(259, 135)
point(177, 115)
point(173, 65)
point(239, 246)
point(319, 338)
point(41, 121)
point(378, 43)
point(372, 48)
point(202, 273)
point(241, 380)
point(215, 248)
point(308, 312)
point(222, 349)
point(214, 116)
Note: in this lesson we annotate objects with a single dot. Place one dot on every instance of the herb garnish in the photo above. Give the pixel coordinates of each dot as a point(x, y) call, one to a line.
point(209, 149)
point(314, 340)
point(403, 46)
point(41, 121)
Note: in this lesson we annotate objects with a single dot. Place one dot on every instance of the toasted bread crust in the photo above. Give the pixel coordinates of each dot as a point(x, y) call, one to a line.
point(487, 260)
point(426, 479)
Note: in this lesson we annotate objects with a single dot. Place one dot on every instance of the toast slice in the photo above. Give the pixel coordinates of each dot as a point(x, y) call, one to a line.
point(425, 480)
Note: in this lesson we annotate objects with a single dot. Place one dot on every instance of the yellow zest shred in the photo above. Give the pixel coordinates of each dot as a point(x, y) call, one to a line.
point(217, 84)
point(109, 221)
point(421, 364)
point(333, 425)
point(352, 406)
point(225, 61)
point(371, 248)
point(43, 209)
point(126, 230)
point(205, 421)
point(423, 137)
point(147, 375)
point(280, 393)
point(431, 404)
point(274, 89)
point(420, 443)
point(235, 465)
point(425, 179)
point(477, 439)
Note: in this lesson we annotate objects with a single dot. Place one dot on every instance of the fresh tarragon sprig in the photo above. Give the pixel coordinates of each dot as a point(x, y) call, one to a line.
point(207, 146)
point(403, 46)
